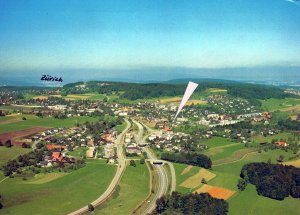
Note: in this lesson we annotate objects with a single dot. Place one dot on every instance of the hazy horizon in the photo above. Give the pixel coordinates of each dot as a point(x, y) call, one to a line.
point(266, 75)
point(149, 41)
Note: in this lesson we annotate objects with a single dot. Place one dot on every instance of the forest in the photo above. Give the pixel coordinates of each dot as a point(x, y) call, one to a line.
point(275, 181)
point(194, 159)
point(179, 204)
point(133, 91)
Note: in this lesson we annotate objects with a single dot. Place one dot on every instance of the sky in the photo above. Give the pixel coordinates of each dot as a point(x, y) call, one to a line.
point(62, 35)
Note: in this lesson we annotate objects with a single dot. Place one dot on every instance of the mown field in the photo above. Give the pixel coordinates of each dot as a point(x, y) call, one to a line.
point(182, 175)
point(260, 139)
point(78, 152)
point(132, 190)
point(59, 195)
point(247, 201)
point(33, 121)
point(10, 153)
point(222, 150)
point(279, 104)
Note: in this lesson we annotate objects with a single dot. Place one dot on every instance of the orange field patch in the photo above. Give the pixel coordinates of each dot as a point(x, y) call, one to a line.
point(186, 170)
point(15, 136)
point(216, 192)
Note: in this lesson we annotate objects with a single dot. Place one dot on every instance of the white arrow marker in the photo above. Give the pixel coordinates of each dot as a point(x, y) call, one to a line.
point(187, 94)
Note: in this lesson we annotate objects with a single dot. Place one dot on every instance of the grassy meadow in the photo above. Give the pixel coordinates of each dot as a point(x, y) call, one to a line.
point(33, 121)
point(60, 194)
point(132, 190)
point(247, 201)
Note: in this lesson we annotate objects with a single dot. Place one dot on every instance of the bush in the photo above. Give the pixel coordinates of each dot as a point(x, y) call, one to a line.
point(242, 184)
point(8, 143)
point(194, 159)
point(132, 163)
point(91, 207)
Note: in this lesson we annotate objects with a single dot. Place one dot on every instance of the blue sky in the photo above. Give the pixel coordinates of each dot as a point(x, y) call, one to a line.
point(95, 34)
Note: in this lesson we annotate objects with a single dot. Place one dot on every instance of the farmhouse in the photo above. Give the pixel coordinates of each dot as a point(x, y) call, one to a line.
point(281, 143)
point(57, 157)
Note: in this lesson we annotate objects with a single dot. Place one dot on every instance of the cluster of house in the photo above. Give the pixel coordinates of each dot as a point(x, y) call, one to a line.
point(108, 139)
point(292, 91)
point(56, 157)
point(169, 140)
point(131, 146)
point(213, 120)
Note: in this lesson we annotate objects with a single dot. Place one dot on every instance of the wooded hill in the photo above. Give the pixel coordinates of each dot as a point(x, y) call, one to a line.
point(133, 91)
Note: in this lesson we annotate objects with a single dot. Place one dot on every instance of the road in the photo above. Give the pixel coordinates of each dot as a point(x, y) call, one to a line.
point(172, 169)
point(162, 186)
point(117, 177)
point(163, 179)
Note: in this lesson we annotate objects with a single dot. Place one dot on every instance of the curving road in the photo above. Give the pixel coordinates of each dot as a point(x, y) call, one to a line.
point(172, 169)
point(163, 183)
point(117, 177)
point(163, 179)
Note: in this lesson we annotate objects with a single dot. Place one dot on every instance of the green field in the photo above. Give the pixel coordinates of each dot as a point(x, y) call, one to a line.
point(228, 175)
point(248, 201)
point(78, 152)
point(261, 139)
point(216, 142)
point(181, 178)
point(223, 152)
point(132, 190)
point(279, 104)
point(44, 122)
point(10, 153)
point(59, 196)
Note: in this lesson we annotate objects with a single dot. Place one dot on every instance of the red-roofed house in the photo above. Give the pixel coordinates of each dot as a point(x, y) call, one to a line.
point(281, 143)
point(167, 129)
point(57, 157)
point(51, 147)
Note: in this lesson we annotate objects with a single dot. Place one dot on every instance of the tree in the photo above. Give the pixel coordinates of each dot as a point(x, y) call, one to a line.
point(242, 184)
point(142, 161)
point(161, 204)
point(24, 145)
point(203, 181)
point(1, 206)
point(132, 163)
point(24, 118)
point(91, 207)
point(280, 158)
point(8, 143)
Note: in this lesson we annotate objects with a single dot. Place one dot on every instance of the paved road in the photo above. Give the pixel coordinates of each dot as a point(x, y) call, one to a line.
point(163, 179)
point(117, 177)
point(163, 183)
point(172, 169)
